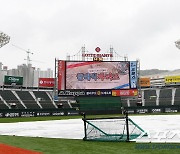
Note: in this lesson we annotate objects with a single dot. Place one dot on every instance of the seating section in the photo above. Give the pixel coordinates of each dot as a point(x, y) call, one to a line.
point(20, 99)
point(150, 97)
point(3, 106)
point(177, 97)
point(27, 99)
point(133, 103)
point(43, 99)
point(67, 102)
point(124, 102)
point(165, 97)
point(11, 99)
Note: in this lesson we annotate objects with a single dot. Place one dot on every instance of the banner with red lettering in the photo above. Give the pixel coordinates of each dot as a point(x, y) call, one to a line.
point(46, 82)
point(61, 75)
point(129, 92)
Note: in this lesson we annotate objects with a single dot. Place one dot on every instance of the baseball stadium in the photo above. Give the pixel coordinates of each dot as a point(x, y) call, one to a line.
point(95, 102)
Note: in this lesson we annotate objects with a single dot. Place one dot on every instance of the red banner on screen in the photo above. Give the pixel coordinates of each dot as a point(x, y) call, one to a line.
point(130, 92)
point(46, 82)
point(61, 75)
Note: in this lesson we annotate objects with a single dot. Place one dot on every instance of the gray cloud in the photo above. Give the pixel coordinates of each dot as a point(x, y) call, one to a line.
point(144, 29)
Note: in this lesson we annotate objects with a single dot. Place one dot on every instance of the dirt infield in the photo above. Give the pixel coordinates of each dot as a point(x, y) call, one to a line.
point(6, 149)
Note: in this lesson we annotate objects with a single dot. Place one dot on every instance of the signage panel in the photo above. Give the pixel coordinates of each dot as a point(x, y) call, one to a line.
point(13, 80)
point(144, 82)
point(172, 79)
point(46, 82)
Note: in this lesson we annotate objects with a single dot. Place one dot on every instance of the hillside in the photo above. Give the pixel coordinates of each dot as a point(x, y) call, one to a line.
point(152, 72)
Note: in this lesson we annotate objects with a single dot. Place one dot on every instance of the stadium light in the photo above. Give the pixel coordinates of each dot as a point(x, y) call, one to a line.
point(177, 43)
point(4, 39)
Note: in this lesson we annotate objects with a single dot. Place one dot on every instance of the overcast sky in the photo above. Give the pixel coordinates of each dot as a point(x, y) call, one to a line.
point(141, 29)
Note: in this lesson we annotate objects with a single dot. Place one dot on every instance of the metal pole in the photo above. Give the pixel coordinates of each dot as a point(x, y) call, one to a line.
point(127, 125)
point(55, 79)
point(85, 130)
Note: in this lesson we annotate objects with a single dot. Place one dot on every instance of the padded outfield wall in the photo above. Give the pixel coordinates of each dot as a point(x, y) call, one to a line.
point(99, 104)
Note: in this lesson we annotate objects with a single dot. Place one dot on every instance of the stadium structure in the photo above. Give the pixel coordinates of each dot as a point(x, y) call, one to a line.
point(92, 82)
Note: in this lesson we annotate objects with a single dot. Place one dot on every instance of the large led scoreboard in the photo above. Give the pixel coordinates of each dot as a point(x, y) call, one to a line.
point(93, 78)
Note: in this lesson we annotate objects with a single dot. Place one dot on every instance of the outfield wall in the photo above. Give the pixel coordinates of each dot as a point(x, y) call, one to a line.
point(11, 113)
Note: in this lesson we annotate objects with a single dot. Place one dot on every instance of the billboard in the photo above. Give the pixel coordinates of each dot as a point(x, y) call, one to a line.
point(144, 82)
point(98, 75)
point(61, 75)
point(172, 79)
point(120, 92)
point(13, 80)
point(46, 82)
point(128, 92)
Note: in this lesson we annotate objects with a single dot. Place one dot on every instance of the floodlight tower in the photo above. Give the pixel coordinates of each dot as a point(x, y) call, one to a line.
point(4, 39)
point(177, 43)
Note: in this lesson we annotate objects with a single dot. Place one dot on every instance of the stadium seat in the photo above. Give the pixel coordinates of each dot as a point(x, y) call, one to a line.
point(150, 97)
point(165, 97)
point(28, 100)
point(10, 99)
point(177, 97)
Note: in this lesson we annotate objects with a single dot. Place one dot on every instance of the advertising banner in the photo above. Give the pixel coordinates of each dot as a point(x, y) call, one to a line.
point(123, 92)
point(172, 79)
point(61, 75)
point(133, 74)
point(99, 75)
point(144, 82)
point(46, 82)
point(84, 93)
point(129, 92)
point(13, 80)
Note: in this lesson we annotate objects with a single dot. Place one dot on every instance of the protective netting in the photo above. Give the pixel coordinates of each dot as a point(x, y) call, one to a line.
point(113, 129)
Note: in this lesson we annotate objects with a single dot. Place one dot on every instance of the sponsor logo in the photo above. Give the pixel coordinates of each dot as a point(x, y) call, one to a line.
point(97, 55)
point(13, 79)
point(43, 114)
point(98, 93)
point(72, 113)
point(142, 110)
point(156, 110)
point(13, 114)
point(130, 111)
point(27, 114)
point(72, 93)
point(46, 82)
point(170, 110)
point(57, 113)
point(131, 92)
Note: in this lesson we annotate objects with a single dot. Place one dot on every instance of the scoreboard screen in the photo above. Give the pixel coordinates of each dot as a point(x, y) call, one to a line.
point(99, 75)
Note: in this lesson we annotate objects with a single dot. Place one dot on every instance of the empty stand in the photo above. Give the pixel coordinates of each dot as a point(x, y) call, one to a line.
point(150, 97)
point(27, 99)
point(3, 106)
point(124, 102)
point(133, 103)
point(43, 99)
point(177, 97)
point(67, 102)
point(11, 99)
point(165, 97)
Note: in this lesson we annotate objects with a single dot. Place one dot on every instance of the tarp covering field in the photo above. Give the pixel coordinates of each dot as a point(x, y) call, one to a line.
point(161, 128)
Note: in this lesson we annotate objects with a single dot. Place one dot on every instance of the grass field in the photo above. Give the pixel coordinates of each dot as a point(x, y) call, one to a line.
point(70, 146)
